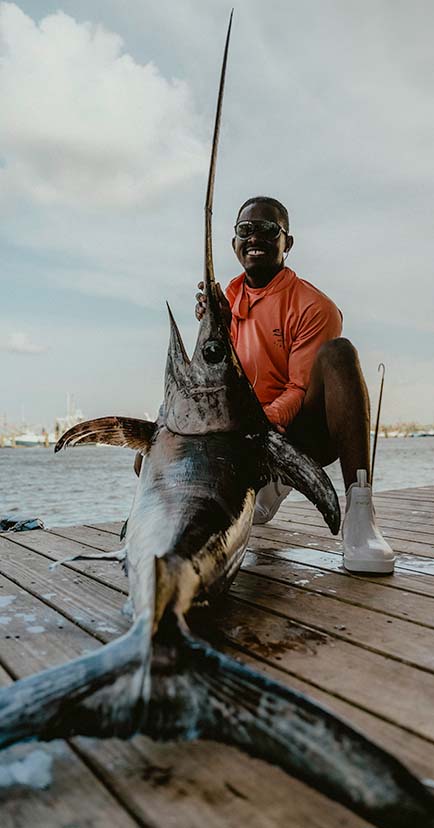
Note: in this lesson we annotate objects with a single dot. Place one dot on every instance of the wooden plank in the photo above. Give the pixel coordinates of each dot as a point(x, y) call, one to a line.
point(267, 532)
point(387, 519)
point(55, 548)
point(295, 511)
point(357, 625)
point(112, 527)
point(33, 635)
point(76, 797)
point(418, 539)
point(396, 692)
point(63, 589)
point(58, 804)
point(386, 510)
point(4, 677)
point(279, 536)
point(301, 520)
point(353, 695)
point(166, 784)
point(428, 488)
point(381, 503)
point(406, 502)
point(412, 526)
point(260, 539)
point(91, 537)
point(230, 775)
point(361, 592)
point(406, 578)
point(423, 493)
point(104, 619)
point(385, 504)
point(203, 783)
point(413, 751)
point(413, 545)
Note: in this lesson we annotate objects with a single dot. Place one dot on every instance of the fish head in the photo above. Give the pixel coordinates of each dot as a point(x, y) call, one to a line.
point(210, 393)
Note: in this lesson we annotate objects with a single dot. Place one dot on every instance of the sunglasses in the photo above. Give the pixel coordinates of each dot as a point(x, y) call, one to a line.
point(267, 230)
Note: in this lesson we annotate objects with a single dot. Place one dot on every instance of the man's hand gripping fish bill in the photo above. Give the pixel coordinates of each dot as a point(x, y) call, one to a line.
point(208, 454)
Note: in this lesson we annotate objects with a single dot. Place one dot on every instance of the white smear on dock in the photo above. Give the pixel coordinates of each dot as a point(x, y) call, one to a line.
point(35, 629)
point(48, 595)
point(34, 771)
point(106, 628)
point(28, 616)
point(5, 600)
point(5, 619)
point(301, 583)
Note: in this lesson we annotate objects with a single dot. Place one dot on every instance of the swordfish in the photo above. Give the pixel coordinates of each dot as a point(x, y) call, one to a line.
point(210, 451)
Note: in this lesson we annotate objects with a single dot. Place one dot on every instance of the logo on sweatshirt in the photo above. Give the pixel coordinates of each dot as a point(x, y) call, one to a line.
point(279, 339)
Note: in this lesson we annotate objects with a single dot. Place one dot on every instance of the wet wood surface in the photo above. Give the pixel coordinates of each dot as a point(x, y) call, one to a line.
point(363, 646)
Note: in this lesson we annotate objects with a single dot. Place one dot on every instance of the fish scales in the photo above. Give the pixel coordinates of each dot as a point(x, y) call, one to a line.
point(195, 497)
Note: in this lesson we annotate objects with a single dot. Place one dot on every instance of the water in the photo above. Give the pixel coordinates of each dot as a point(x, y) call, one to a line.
point(95, 484)
point(81, 485)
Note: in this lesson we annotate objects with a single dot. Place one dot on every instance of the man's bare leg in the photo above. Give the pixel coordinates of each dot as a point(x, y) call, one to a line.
point(335, 419)
point(334, 423)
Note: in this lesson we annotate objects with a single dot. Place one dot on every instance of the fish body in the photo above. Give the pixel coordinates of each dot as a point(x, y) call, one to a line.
point(192, 514)
point(205, 458)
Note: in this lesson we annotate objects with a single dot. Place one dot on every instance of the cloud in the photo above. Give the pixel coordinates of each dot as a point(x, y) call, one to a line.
point(83, 123)
point(21, 343)
point(103, 175)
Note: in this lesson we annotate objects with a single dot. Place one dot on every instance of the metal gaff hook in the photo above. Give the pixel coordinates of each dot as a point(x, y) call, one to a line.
point(377, 424)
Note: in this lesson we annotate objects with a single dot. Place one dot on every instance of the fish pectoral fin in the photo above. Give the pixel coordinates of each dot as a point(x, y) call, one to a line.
point(120, 555)
point(113, 431)
point(240, 707)
point(296, 469)
point(102, 694)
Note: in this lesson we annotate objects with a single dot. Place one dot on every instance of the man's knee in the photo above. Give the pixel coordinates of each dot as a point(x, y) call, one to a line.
point(338, 353)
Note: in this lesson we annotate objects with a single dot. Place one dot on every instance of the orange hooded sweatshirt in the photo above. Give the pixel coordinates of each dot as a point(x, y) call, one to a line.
point(277, 331)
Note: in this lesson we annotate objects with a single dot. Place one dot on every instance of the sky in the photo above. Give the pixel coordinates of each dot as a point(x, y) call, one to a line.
point(107, 110)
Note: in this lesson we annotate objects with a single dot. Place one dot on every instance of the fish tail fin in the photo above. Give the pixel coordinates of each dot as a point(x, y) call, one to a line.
point(238, 706)
point(102, 694)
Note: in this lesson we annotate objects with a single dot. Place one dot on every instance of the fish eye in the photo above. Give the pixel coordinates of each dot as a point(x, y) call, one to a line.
point(213, 351)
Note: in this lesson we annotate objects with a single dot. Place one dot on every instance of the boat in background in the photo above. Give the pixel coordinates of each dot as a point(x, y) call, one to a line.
point(29, 439)
point(25, 437)
point(73, 416)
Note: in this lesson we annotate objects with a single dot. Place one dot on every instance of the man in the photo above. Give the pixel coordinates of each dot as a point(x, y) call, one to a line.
point(308, 379)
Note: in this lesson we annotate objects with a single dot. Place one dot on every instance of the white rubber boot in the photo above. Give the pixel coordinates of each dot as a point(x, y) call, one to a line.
point(365, 549)
point(268, 501)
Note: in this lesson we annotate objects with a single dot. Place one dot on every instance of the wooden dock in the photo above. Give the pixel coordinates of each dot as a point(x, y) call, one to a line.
point(363, 646)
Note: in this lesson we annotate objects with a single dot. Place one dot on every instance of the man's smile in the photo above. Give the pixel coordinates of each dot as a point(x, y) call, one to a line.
point(255, 251)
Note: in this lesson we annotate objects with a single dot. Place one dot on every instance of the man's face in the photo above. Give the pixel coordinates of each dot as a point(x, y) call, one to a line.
point(261, 258)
